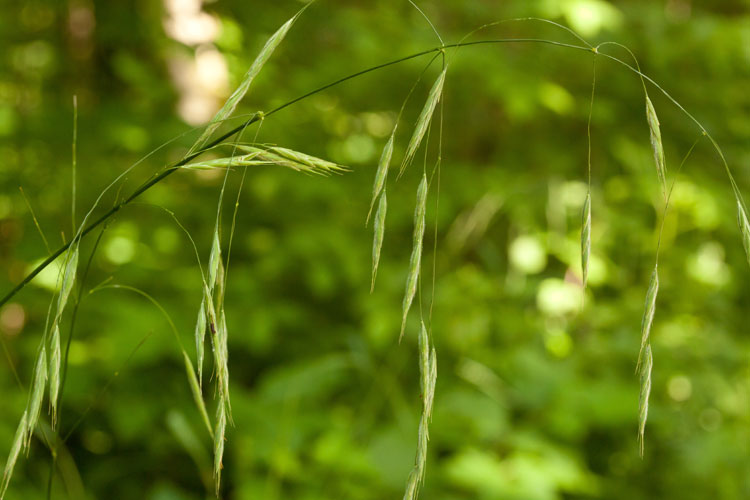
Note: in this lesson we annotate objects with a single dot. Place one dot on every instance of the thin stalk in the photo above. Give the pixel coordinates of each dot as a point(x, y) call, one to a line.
point(11, 363)
point(735, 187)
point(75, 155)
point(437, 209)
point(428, 21)
point(257, 116)
point(36, 221)
point(105, 388)
point(148, 297)
point(588, 124)
point(236, 209)
point(63, 378)
point(669, 195)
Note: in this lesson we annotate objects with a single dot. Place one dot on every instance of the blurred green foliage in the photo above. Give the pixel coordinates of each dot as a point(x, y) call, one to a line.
point(536, 399)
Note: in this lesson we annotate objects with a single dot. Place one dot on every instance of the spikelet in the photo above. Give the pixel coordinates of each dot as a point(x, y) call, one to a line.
point(416, 253)
point(379, 234)
point(424, 360)
point(285, 157)
point(218, 164)
point(229, 107)
point(432, 379)
point(15, 450)
point(271, 155)
point(428, 376)
point(66, 281)
point(644, 395)
point(744, 228)
point(412, 485)
point(317, 164)
point(214, 260)
point(37, 392)
point(648, 314)
point(54, 371)
point(197, 394)
point(207, 308)
point(258, 156)
point(210, 313)
point(423, 122)
point(219, 433)
point(200, 335)
point(382, 173)
point(68, 276)
point(586, 239)
point(214, 327)
point(222, 362)
point(656, 144)
point(218, 333)
point(224, 162)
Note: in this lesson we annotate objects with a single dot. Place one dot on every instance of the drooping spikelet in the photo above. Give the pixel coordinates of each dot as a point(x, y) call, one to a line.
point(742, 221)
point(54, 372)
point(67, 280)
point(15, 450)
point(656, 144)
point(37, 392)
point(382, 173)
point(646, 368)
point(428, 377)
point(222, 362)
point(219, 437)
point(423, 122)
point(214, 260)
point(648, 313)
point(68, 276)
point(379, 234)
point(231, 103)
point(200, 336)
point(586, 239)
point(415, 261)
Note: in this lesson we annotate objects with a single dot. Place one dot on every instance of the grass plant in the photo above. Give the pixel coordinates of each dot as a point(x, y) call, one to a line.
point(51, 361)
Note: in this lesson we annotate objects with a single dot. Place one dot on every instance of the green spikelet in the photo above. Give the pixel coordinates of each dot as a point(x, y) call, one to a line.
point(646, 368)
point(382, 172)
point(648, 314)
point(586, 239)
point(415, 261)
point(379, 233)
point(656, 144)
